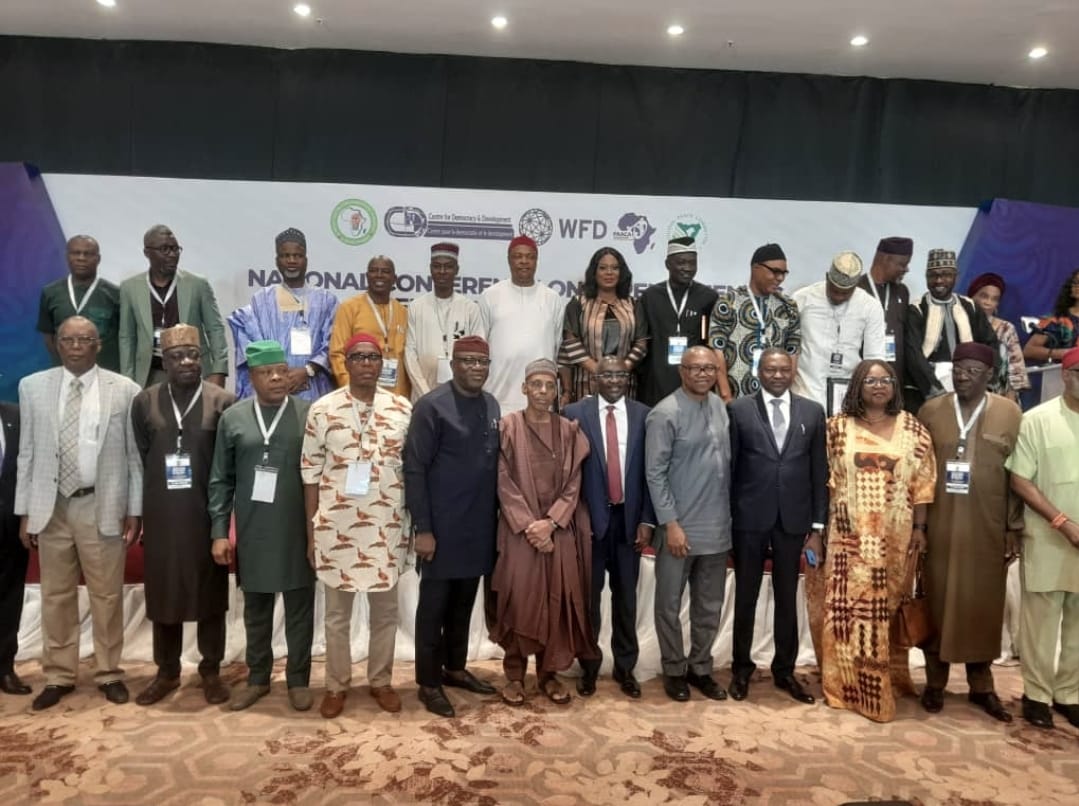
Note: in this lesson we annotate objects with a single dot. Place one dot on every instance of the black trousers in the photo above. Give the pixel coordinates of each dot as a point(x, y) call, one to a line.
point(443, 616)
point(750, 551)
point(169, 643)
point(612, 555)
point(13, 561)
point(299, 605)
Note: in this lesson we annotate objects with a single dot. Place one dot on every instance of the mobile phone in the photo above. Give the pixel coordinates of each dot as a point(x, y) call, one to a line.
point(811, 558)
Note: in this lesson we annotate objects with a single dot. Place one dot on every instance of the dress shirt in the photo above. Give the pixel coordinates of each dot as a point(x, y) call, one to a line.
point(88, 422)
point(621, 421)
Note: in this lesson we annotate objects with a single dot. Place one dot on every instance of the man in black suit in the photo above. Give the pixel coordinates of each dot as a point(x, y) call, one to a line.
point(779, 500)
point(614, 487)
point(13, 554)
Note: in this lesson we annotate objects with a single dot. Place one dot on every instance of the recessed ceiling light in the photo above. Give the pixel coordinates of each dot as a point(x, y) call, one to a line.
point(1038, 53)
point(675, 30)
point(499, 22)
point(302, 9)
point(107, 3)
point(860, 41)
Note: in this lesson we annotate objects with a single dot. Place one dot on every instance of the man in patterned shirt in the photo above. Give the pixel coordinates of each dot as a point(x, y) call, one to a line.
point(750, 318)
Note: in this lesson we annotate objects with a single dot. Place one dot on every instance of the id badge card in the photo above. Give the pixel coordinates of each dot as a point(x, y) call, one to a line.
point(265, 484)
point(358, 480)
point(388, 376)
point(676, 345)
point(835, 362)
point(757, 351)
point(157, 341)
point(299, 339)
point(444, 371)
point(889, 347)
point(957, 477)
point(178, 471)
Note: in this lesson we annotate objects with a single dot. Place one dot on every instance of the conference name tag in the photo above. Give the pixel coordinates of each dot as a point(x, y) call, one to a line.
point(177, 471)
point(444, 371)
point(889, 347)
point(299, 339)
point(835, 362)
point(358, 480)
point(957, 477)
point(388, 376)
point(265, 486)
point(157, 340)
point(676, 346)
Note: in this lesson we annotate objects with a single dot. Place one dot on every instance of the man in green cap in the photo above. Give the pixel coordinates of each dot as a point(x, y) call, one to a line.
point(256, 472)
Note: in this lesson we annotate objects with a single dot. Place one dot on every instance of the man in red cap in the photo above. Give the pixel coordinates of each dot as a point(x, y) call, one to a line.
point(973, 528)
point(435, 320)
point(1043, 468)
point(357, 525)
point(522, 321)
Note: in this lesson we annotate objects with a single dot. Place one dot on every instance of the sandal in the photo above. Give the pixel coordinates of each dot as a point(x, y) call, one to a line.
point(513, 693)
point(555, 692)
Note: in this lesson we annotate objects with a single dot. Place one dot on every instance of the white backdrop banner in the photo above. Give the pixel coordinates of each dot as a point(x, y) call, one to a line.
point(227, 230)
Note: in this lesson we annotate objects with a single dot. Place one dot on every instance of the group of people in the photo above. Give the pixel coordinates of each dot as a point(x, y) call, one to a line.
point(542, 449)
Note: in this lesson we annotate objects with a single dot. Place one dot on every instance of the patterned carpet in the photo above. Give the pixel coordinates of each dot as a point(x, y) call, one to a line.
point(607, 749)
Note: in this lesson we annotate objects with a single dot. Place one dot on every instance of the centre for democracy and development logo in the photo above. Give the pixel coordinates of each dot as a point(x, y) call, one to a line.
point(537, 225)
point(409, 221)
point(354, 222)
point(688, 225)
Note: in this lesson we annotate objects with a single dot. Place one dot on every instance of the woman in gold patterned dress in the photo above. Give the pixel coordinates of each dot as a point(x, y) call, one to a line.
point(882, 475)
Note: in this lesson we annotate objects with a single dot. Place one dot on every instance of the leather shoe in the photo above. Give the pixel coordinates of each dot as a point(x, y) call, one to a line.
point(932, 699)
point(676, 688)
point(628, 683)
point(991, 704)
point(333, 703)
point(791, 685)
point(1070, 712)
point(739, 688)
point(214, 690)
point(586, 684)
point(248, 696)
point(387, 699)
point(300, 698)
point(434, 699)
point(707, 685)
point(1037, 713)
point(468, 681)
point(49, 696)
point(115, 692)
point(157, 690)
point(10, 683)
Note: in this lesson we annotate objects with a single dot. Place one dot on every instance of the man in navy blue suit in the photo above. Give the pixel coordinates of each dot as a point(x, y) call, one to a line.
point(779, 499)
point(620, 508)
point(13, 554)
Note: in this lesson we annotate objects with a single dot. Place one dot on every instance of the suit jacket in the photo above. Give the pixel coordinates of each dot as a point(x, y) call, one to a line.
point(637, 501)
point(769, 485)
point(9, 421)
point(197, 306)
point(119, 468)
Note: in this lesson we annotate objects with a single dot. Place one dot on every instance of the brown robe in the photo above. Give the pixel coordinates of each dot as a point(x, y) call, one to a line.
point(965, 575)
point(541, 600)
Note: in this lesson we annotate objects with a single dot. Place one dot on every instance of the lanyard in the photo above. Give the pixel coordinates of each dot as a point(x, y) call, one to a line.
point(268, 432)
point(378, 318)
point(677, 308)
point(761, 340)
point(361, 426)
point(168, 295)
point(179, 416)
point(964, 428)
point(443, 324)
point(85, 297)
point(887, 294)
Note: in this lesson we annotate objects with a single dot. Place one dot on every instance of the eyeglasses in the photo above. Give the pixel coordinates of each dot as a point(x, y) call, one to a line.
point(364, 358)
point(969, 372)
point(473, 362)
point(167, 249)
point(612, 376)
point(887, 380)
point(700, 369)
point(777, 273)
point(81, 341)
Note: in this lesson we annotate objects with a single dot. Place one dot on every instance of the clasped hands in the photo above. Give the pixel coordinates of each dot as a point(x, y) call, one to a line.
point(540, 535)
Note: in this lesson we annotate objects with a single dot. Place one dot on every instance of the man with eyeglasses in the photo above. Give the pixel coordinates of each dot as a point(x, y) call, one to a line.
point(884, 281)
point(750, 318)
point(935, 324)
point(451, 478)
point(79, 495)
point(1043, 473)
point(615, 489)
point(175, 425)
point(357, 523)
point(973, 529)
point(83, 293)
point(687, 460)
point(435, 321)
point(295, 316)
point(161, 298)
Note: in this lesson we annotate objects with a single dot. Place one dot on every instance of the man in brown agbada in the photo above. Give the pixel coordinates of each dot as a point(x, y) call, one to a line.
point(541, 577)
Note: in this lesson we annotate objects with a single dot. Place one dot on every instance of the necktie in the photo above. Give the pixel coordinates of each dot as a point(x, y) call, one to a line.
point(779, 423)
point(69, 440)
point(614, 464)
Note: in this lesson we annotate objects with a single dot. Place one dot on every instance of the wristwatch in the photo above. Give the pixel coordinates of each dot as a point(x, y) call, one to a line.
point(310, 370)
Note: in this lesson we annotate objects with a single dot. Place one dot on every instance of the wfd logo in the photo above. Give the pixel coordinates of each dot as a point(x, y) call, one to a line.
point(354, 222)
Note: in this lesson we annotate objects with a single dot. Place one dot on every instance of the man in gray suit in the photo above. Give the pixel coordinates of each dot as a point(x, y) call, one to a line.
point(688, 455)
point(79, 497)
point(161, 298)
